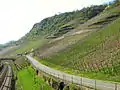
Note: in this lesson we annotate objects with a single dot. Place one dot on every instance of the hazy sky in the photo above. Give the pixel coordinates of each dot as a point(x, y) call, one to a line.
point(18, 16)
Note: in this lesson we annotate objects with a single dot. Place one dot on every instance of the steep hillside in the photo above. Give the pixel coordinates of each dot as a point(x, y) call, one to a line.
point(58, 25)
point(54, 27)
point(79, 32)
point(97, 52)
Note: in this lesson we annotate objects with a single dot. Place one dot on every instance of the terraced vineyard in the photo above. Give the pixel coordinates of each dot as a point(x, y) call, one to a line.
point(99, 52)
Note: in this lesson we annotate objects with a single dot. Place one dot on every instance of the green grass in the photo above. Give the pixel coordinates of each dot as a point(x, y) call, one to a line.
point(30, 81)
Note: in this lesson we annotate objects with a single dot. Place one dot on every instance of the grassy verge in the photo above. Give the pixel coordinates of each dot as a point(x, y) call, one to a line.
point(30, 81)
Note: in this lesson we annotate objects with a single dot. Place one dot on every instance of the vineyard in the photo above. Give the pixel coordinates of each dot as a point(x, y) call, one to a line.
point(99, 52)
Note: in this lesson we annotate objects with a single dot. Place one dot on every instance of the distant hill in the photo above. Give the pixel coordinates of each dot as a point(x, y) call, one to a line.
point(1, 46)
point(10, 43)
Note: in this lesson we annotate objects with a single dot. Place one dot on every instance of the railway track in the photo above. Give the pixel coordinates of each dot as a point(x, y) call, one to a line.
point(6, 78)
point(3, 73)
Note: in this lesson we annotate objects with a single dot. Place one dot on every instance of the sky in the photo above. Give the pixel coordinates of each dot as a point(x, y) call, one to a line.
point(17, 17)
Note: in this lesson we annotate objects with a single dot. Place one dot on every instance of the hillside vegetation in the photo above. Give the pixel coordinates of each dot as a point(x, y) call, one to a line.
point(58, 25)
point(99, 52)
point(82, 30)
point(52, 27)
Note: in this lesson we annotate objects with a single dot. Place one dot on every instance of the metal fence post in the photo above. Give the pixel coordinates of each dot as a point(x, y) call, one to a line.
point(63, 77)
point(41, 87)
point(58, 75)
point(72, 79)
point(115, 86)
point(81, 81)
point(95, 85)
